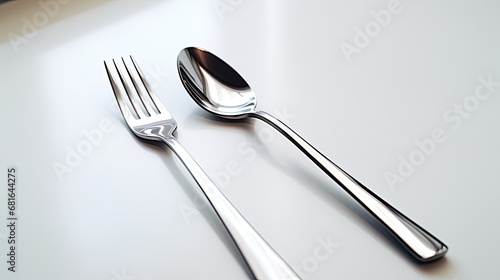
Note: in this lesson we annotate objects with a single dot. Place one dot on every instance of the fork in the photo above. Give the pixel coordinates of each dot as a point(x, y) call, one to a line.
point(146, 116)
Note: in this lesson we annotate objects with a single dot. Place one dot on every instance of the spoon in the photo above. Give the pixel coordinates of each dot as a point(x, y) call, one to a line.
point(219, 89)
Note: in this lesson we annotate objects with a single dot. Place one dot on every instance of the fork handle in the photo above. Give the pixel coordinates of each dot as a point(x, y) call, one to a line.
point(421, 244)
point(263, 261)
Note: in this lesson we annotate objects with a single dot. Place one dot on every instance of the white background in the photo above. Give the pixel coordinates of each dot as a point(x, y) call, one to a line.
point(129, 210)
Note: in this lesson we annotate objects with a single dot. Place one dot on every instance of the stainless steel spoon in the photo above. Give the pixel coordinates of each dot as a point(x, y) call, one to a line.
point(220, 90)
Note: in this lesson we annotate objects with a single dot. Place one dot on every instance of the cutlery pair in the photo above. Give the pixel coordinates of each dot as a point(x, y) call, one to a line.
point(219, 89)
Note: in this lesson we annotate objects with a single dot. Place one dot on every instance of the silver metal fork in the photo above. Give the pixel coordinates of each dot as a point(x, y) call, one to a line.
point(147, 118)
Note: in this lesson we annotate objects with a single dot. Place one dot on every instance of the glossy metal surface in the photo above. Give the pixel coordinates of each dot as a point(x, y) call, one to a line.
point(147, 118)
point(219, 89)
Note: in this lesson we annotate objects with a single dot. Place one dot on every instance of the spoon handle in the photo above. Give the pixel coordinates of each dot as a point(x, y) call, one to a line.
point(421, 244)
point(263, 261)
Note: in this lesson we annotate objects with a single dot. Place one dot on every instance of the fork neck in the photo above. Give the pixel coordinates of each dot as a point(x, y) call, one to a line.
point(158, 132)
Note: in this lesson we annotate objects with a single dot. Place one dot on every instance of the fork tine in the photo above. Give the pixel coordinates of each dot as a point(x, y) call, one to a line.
point(127, 114)
point(156, 101)
point(138, 88)
point(128, 90)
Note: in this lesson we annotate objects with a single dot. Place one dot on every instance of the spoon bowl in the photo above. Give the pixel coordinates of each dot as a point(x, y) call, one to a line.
point(215, 85)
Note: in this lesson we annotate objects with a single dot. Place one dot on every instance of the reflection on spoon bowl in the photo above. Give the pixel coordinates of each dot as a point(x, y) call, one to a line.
point(214, 85)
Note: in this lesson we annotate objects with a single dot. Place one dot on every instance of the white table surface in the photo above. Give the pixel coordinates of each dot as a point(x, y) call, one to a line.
point(129, 210)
